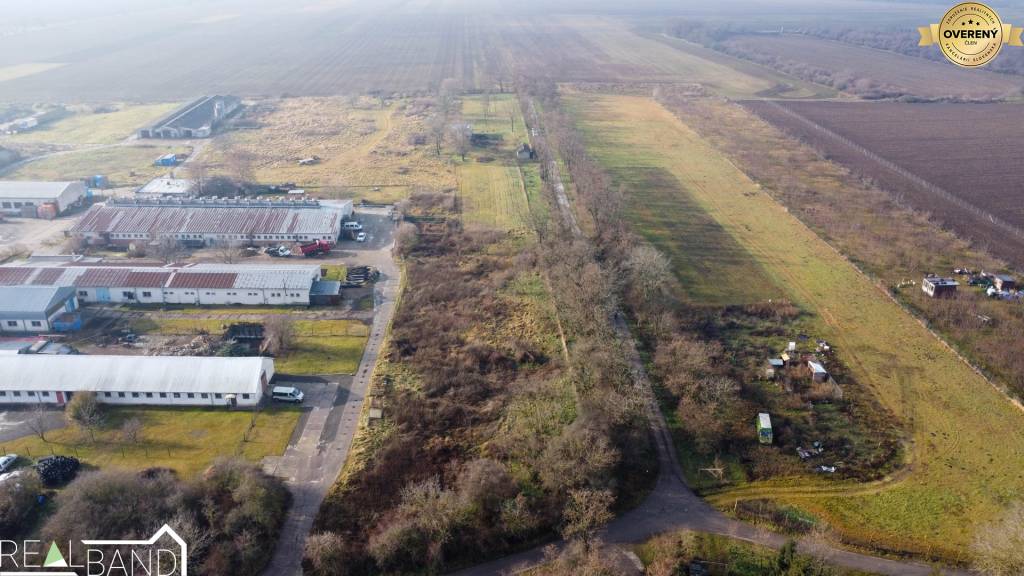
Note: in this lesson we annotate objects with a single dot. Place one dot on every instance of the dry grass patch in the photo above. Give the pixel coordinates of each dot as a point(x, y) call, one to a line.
point(360, 145)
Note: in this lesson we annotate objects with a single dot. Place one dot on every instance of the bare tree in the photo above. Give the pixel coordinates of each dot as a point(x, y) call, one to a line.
point(131, 429)
point(437, 125)
point(462, 135)
point(37, 421)
point(198, 172)
point(406, 238)
point(168, 249)
point(85, 411)
point(278, 334)
point(239, 164)
point(999, 546)
point(228, 251)
point(447, 95)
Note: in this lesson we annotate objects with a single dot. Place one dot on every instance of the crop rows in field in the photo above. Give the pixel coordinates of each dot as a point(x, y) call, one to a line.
point(295, 53)
point(864, 70)
point(959, 162)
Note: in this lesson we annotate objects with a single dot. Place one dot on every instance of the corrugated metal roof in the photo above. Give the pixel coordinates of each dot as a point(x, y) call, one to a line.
point(22, 302)
point(93, 275)
point(39, 190)
point(817, 368)
point(765, 420)
point(147, 279)
point(134, 373)
point(102, 277)
point(325, 288)
point(47, 276)
point(240, 220)
point(14, 276)
point(203, 280)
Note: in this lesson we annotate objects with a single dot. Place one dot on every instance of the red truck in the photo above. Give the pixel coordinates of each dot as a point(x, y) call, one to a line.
point(315, 248)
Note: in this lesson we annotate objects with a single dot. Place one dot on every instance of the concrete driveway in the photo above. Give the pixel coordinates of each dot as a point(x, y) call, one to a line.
point(313, 461)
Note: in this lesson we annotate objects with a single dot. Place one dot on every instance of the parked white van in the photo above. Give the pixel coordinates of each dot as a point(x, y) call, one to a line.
point(287, 394)
point(352, 226)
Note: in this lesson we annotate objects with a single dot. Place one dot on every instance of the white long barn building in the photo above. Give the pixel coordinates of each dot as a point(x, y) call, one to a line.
point(149, 380)
point(197, 284)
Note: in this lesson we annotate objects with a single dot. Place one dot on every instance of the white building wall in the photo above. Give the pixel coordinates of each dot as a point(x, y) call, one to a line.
point(24, 325)
point(73, 193)
point(155, 295)
point(132, 398)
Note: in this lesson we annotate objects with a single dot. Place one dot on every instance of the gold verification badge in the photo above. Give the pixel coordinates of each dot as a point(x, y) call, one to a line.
point(970, 34)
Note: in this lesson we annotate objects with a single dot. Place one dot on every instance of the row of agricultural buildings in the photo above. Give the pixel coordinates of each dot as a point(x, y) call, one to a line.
point(43, 294)
point(209, 221)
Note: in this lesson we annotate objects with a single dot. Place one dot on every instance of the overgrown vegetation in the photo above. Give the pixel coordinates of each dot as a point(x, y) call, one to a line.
point(679, 552)
point(230, 516)
point(493, 441)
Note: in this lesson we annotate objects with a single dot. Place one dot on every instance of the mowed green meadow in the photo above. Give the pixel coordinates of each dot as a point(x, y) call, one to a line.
point(495, 192)
point(965, 438)
point(186, 440)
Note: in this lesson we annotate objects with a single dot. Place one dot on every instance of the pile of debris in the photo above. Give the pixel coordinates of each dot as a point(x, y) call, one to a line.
point(359, 276)
point(57, 470)
point(202, 345)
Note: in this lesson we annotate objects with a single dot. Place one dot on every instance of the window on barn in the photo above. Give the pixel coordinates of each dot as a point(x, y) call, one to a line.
point(177, 394)
point(83, 293)
point(204, 395)
point(217, 396)
point(106, 394)
point(3, 393)
point(191, 395)
point(163, 394)
point(135, 394)
point(147, 294)
point(149, 394)
point(245, 396)
point(44, 394)
point(37, 323)
point(12, 323)
point(16, 393)
point(120, 394)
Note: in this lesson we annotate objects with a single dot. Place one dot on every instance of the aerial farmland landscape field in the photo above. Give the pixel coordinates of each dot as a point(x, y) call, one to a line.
point(342, 288)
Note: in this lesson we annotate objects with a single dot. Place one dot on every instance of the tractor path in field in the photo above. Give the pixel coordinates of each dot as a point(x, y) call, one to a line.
point(672, 505)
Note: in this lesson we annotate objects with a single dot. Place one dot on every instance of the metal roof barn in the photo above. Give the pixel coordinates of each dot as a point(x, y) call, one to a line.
point(140, 375)
point(32, 302)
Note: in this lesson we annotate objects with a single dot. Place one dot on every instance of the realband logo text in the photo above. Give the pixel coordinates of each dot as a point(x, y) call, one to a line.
point(164, 554)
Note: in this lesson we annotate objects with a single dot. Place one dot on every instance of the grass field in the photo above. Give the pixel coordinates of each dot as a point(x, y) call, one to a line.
point(966, 437)
point(87, 128)
point(122, 165)
point(320, 346)
point(361, 147)
point(495, 193)
point(184, 439)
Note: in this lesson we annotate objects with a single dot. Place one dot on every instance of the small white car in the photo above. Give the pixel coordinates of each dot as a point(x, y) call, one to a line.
point(287, 394)
point(7, 461)
point(361, 237)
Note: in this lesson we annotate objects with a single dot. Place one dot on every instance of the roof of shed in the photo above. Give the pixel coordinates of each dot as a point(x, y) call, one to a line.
point(19, 302)
point(38, 190)
point(134, 373)
point(203, 280)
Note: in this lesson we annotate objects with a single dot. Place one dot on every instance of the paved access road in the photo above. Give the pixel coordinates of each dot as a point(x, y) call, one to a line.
point(312, 463)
